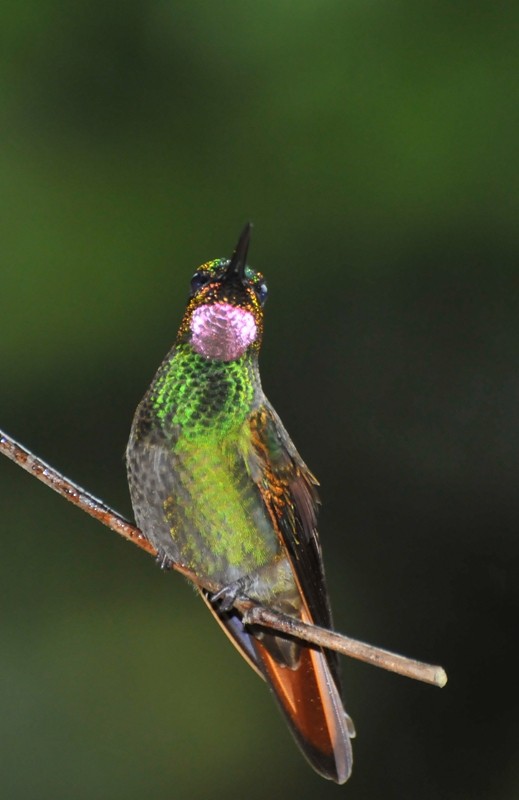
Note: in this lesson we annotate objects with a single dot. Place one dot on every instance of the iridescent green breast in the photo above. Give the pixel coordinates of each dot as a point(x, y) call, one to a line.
point(213, 512)
point(204, 396)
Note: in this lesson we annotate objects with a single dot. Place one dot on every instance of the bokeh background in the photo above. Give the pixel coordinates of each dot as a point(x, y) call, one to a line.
point(375, 147)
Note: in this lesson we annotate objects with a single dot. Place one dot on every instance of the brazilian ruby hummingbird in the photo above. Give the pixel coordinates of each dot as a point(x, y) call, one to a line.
point(217, 486)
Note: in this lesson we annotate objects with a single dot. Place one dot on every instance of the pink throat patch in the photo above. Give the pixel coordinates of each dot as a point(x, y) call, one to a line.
point(222, 331)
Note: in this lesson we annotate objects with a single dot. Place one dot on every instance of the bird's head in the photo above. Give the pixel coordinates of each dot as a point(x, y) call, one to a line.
point(224, 315)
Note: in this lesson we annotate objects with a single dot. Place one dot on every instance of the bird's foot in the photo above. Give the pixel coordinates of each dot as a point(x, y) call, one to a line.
point(226, 597)
point(163, 560)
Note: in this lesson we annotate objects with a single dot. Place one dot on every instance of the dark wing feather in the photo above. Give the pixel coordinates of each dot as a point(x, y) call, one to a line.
point(289, 491)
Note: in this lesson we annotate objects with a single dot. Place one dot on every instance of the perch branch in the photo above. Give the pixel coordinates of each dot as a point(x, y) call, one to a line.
point(253, 614)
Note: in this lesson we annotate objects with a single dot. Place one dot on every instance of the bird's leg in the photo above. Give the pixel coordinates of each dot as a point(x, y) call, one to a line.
point(271, 584)
point(163, 560)
point(227, 595)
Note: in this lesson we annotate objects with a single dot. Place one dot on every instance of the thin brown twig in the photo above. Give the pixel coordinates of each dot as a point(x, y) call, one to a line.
point(418, 670)
point(253, 614)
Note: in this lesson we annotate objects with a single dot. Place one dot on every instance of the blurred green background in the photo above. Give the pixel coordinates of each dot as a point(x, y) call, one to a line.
point(375, 147)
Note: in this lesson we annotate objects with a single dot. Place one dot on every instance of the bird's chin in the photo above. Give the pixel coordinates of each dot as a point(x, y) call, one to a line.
point(222, 331)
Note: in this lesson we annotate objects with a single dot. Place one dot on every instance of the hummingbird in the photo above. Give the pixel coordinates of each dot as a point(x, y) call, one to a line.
point(217, 485)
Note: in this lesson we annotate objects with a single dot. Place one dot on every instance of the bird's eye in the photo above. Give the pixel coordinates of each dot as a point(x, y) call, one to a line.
point(198, 280)
point(261, 292)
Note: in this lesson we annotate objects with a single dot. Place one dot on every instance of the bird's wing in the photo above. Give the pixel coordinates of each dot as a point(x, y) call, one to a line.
point(289, 492)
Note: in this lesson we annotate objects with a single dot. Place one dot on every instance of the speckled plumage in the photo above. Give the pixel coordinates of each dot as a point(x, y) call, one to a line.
point(217, 485)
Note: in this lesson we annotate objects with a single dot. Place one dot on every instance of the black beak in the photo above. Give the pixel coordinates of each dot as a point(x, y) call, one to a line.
point(238, 261)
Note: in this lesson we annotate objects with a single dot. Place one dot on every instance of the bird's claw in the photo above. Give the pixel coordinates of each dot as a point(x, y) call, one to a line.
point(163, 560)
point(226, 597)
